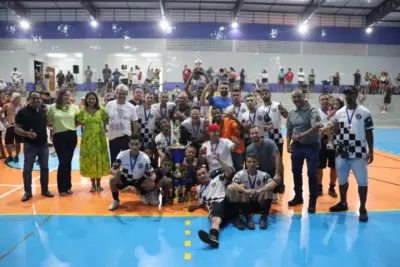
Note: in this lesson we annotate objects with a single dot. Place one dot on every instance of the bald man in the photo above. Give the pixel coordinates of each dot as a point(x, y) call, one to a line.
point(303, 126)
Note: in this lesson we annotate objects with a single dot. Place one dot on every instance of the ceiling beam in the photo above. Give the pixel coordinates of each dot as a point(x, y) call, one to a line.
point(16, 8)
point(162, 7)
point(311, 9)
point(90, 8)
point(237, 8)
point(381, 11)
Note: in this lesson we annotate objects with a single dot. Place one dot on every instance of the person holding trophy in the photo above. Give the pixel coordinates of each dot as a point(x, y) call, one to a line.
point(193, 129)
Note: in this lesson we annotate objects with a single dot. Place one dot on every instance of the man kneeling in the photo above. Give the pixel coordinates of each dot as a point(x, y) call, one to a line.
point(211, 193)
point(133, 168)
point(253, 189)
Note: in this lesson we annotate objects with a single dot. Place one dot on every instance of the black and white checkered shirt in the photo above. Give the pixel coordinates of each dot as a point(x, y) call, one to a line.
point(352, 127)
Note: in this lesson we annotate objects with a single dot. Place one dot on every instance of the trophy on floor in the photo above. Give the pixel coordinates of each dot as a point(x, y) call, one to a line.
point(178, 154)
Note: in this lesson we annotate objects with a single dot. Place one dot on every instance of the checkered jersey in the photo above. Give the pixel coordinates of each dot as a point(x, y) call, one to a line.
point(251, 181)
point(273, 112)
point(148, 126)
point(212, 193)
point(352, 136)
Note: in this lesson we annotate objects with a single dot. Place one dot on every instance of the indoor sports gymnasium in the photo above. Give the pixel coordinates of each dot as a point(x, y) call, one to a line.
point(210, 133)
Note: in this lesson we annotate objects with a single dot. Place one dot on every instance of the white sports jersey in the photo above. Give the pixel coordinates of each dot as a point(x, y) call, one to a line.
point(147, 121)
point(133, 169)
point(162, 141)
point(196, 131)
point(352, 127)
point(165, 112)
point(260, 118)
point(239, 111)
point(212, 193)
point(251, 181)
point(301, 76)
point(223, 148)
point(275, 134)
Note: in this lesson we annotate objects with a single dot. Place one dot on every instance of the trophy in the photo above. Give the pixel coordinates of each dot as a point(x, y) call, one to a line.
point(178, 154)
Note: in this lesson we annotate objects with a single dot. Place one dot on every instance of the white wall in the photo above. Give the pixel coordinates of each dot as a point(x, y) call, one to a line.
point(97, 52)
point(65, 64)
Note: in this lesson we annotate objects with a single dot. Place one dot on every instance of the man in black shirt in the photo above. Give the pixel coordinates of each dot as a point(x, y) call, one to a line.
point(31, 124)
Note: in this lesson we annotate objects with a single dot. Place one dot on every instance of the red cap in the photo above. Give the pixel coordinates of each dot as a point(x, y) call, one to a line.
point(213, 127)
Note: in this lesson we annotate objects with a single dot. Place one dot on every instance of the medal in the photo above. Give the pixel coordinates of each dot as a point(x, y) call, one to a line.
point(350, 118)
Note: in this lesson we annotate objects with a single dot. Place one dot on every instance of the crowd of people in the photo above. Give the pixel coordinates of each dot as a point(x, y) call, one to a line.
point(233, 146)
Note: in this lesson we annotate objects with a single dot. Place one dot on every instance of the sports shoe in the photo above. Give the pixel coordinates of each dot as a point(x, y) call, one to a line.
point(114, 205)
point(144, 198)
point(263, 222)
point(363, 216)
point(250, 223)
point(239, 223)
point(339, 207)
point(295, 202)
point(332, 192)
point(209, 239)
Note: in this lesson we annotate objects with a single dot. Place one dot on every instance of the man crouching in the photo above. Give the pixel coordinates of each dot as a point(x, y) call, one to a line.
point(253, 189)
point(133, 168)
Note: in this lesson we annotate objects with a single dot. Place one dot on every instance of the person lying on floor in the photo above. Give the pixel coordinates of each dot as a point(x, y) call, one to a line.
point(133, 168)
point(211, 194)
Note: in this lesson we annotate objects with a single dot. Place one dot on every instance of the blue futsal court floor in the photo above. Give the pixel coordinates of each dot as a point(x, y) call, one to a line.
point(292, 239)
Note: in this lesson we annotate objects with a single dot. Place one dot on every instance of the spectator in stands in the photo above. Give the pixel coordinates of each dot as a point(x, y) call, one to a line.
point(336, 82)
point(289, 80)
point(301, 77)
point(357, 79)
point(186, 73)
point(374, 85)
point(311, 81)
point(367, 82)
point(281, 81)
point(264, 78)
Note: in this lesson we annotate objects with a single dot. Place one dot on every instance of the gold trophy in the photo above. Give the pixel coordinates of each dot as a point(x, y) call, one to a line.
point(178, 154)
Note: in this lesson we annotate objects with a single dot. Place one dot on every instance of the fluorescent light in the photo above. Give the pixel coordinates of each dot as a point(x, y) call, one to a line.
point(24, 24)
point(235, 25)
point(129, 59)
point(57, 55)
point(149, 54)
point(78, 55)
point(368, 30)
point(69, 59)
point(123, 55)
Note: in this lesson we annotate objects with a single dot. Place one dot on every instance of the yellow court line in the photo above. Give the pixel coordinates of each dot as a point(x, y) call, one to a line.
point(188, 243)
point(187, 256)
point(187, 232)
point(173, 216)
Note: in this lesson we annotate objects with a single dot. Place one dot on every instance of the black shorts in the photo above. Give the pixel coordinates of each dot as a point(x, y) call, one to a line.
point(311, 83)
point(220, 210)
point(135, 183)
point(326, 158)
point(11, 136)
point(264, 80)
point(232, 80)
point(255, 206)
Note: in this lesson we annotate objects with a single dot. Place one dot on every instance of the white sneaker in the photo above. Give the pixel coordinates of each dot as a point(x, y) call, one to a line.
point(145, 200)
point(114, 205)
point(275, 198)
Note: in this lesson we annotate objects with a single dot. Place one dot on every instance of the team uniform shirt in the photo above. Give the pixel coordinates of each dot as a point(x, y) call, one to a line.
point(275, 134)
point(147, 121)
point(223, 148)
point(301, 76)
point(120, 119)
point(163, 142)
point(133, 169)
point(260, 118)
point(212, 193)
point(239, 111)
point(252, 181)
point(352, 127)
point(196, 131)
point(165, 112)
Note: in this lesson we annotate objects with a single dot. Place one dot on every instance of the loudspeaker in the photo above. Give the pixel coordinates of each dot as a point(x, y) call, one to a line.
point(75, 69)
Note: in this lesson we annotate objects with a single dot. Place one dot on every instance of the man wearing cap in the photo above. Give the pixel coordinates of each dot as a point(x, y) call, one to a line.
point(214, 146)
point(354, 132)
point(303, 126)
point(10, 110)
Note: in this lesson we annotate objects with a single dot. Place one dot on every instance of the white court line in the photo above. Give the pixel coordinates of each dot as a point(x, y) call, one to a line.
point(22, 186)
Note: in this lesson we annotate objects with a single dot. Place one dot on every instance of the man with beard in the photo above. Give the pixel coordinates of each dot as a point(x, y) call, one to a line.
point(275, 112)
point(238, 108)
point(221, 102)
point(354, 126)
point(303, 126)
point(165, 108)
point(193, 129)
